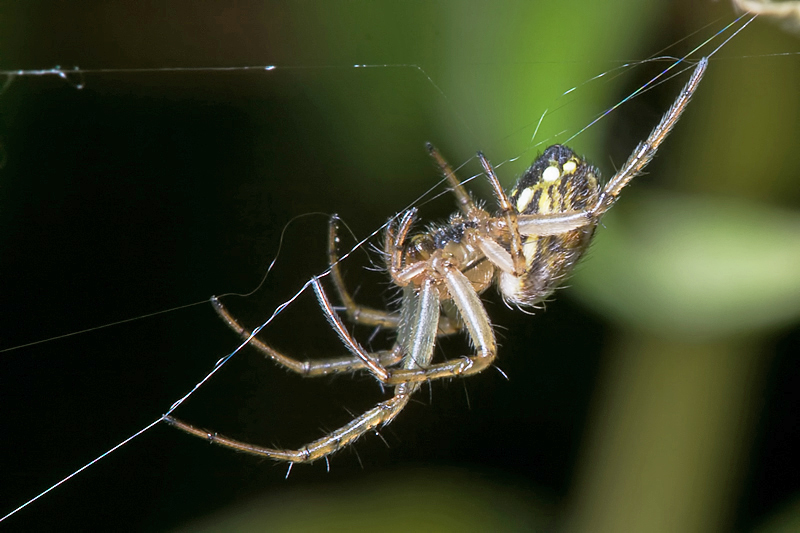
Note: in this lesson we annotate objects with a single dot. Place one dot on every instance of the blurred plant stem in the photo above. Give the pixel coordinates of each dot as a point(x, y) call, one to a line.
point(695, 286)
point(669, 435)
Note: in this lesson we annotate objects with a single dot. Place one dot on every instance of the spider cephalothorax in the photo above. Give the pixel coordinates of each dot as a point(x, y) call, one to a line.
point(527, 248)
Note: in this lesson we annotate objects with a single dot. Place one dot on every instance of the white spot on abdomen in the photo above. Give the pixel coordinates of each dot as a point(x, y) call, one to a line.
point(524, 199)
point(551, 174)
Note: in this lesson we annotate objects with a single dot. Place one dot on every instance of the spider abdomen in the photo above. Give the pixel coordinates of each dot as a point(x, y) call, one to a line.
point(558, 181)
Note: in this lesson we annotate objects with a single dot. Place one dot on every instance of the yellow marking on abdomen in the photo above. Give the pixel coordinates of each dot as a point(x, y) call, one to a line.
point(529, 250)
point(544, 202)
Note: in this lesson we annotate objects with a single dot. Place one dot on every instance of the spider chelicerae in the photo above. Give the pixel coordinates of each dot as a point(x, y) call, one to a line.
point(528, 248)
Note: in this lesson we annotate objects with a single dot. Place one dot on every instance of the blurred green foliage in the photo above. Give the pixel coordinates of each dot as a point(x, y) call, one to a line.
point(423, 499)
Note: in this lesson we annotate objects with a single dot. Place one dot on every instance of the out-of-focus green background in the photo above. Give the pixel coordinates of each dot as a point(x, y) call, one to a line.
point(658, 393)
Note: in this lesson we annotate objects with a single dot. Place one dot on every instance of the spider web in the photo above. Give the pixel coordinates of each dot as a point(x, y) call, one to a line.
point(237, 182)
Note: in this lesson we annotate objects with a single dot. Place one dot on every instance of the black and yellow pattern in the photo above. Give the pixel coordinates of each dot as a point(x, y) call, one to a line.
point(558, 181)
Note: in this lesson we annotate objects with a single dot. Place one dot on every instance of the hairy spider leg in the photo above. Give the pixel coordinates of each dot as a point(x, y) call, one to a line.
point(357, 313)
point(362, 314)
point(509, 215)
point(380, 415)
point(460, 290)
point(463, 199)
point(310, 367)
point(472, 313)
point(558, 223)
point(422, 308)
point(645, 151)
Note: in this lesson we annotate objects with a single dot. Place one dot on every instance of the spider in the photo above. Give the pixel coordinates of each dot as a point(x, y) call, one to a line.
point(539, 233)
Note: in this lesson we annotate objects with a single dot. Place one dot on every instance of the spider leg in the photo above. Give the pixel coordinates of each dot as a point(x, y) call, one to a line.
point(380, 415)
point(372, 364)
point(420, 337)
point(357, 313)
point(418, 331)
point(645, 151)
point(308, 368)
point(393, 248)
point(361, 314)
point(478, 326)
point(463, 199)
point(424, 307)
point(553, 223)
point(509, 215)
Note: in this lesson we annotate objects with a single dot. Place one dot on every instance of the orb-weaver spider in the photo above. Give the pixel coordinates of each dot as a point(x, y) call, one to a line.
point(528, 248)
